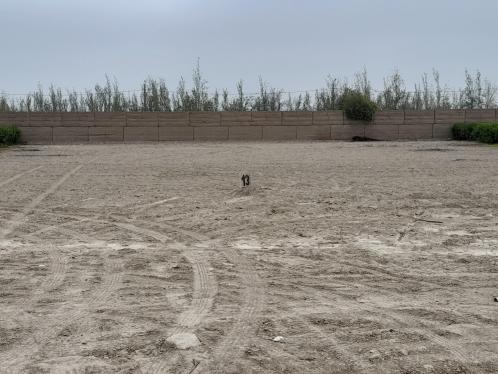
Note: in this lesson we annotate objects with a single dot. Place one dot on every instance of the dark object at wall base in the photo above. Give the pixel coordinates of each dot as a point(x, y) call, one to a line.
point(363, 139)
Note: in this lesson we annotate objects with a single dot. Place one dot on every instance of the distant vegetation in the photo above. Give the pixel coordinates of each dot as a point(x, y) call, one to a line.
point(154, 96)
point(481, 132)
point(357, 106)
point(9, 135)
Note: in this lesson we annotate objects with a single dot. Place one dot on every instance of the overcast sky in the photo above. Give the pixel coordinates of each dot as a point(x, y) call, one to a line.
point(293, 45)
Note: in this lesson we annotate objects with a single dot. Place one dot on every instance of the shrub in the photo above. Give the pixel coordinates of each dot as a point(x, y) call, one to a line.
point(357, 106)
point(481, 132)
point(486, 133)
point(9, 135)
point(462, 131)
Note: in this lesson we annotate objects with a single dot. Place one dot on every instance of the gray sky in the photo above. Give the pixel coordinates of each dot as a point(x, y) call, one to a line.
point(293, 45)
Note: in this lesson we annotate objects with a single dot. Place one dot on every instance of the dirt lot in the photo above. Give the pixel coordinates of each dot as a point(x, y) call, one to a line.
point(365, 257)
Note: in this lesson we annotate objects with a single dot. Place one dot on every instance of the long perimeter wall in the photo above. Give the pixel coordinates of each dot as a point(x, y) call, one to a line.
point(129, 127)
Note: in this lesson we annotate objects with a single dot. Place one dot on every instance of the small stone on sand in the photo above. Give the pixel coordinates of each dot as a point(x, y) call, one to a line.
point(184, 340)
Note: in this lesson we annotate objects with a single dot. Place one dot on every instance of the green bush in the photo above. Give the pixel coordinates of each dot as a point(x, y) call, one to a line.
point(486, 133)
point(9, 135)
point(357, 106)
point(481, 132)
point(462, 131)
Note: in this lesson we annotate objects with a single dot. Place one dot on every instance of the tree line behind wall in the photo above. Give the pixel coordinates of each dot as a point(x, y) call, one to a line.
point(154, 95)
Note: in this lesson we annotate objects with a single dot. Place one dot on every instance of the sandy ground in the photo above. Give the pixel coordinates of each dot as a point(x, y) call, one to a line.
point(365, 257)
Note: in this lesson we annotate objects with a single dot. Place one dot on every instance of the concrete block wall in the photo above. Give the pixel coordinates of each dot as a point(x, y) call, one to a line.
point(99, 127)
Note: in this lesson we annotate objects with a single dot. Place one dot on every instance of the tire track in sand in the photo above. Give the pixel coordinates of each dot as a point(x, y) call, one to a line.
point(64, 318)
point(55, 277)
point(204, 286)
point(353, 360)
point(9, 358)
point(57, 227)
point(58, 265)
point(253, 298)
point(20, 217)
point(204, 291)
point(410, 324)
point(57, 271)
point(15, 177)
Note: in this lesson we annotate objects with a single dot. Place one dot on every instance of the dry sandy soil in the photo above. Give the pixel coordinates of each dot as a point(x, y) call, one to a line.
point(365, 257)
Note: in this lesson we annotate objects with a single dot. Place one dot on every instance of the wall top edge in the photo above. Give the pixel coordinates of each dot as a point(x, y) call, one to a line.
point(282, 111)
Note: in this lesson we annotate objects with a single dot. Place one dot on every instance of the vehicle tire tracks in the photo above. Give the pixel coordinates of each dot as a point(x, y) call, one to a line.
point(16, 177)
point(413, 325)
point(252, 296)
point(64, 318)
point(253, 299)
point(204, 285)
point(20, 217)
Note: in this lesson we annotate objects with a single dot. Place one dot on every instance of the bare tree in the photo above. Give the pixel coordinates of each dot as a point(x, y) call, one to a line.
point(362, 84)
point(394, 95)
point(269, 98)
